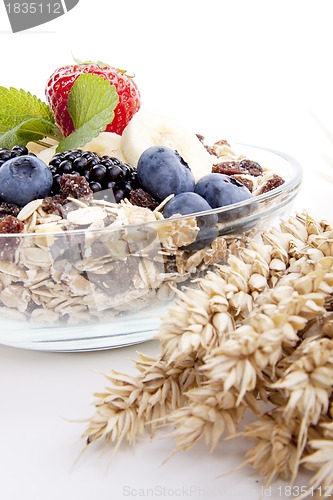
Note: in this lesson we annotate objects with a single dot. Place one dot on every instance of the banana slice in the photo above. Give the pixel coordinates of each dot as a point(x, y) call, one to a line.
point(47, 154)
point(107, 143)
point(46, 143)
point(43, 152)
point(148, 129)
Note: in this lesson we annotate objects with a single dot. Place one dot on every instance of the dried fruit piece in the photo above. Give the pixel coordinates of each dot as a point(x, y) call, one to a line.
point(227, 168)
point(244, 180)
point(8, 209)
point(272, 183)
point(11, 224)
point(251, 167)
point(141, 198)
point(238, 167)
point(53, 204)
point(75, 186)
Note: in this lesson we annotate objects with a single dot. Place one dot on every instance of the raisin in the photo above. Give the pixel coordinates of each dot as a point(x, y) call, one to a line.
point(272, 183)
point(75, 186)
point(227, 168)
point(141, 198)
point(238, 168)
point(54, 204)
point(251, 167)
point(8, 209)
point(10, 224)
point(243, 180)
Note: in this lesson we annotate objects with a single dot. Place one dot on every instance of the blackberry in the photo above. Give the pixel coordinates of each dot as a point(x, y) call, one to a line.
point(7, 154)
point(103, 173)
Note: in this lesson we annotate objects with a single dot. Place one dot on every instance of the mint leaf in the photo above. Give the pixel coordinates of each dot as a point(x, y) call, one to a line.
point(91, 104)
point(33, 129)
point(24, 118)
point(17, 106)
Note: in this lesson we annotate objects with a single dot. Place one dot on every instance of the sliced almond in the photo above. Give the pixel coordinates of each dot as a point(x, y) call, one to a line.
point(86, 216)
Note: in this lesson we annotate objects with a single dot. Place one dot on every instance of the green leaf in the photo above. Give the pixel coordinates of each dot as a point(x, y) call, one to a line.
point(91, 104)
point(17, 106)
point(24, 118)
point(33, 129)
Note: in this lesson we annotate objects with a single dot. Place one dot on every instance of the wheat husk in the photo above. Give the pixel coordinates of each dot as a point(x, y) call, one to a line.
point(256, 331)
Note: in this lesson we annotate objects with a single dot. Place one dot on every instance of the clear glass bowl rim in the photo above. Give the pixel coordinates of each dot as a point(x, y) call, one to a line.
point(288, 185)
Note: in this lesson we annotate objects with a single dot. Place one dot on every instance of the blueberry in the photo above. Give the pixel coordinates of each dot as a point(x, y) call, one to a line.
point(220, 190)
point(23, 179)
point(190, 203)
point(186, 203)
point(162, 171)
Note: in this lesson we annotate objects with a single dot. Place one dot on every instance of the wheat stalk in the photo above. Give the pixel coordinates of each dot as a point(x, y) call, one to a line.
point(259, 328)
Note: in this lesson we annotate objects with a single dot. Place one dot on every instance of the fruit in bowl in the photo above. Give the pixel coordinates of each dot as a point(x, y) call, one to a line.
point(97, 221)
point(60, 83)
point(24, 179)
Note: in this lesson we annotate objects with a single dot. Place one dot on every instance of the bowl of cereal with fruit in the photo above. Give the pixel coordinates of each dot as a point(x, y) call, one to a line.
point(108, 210)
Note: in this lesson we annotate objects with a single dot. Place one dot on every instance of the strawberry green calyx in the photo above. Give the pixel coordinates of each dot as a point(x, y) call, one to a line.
point(124, 72)
point(100, 64)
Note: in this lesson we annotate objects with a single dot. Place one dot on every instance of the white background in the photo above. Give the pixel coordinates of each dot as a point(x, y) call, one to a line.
point(253, 71)
point(248, 71)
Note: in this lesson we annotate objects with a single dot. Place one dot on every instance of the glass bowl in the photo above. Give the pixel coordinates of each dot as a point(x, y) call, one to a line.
point(93, 289)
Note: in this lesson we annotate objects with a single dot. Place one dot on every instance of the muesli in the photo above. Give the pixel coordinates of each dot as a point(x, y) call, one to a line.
point(100, 204)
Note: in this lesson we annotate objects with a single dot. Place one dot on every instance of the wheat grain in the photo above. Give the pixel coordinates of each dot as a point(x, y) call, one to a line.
point(257, 329)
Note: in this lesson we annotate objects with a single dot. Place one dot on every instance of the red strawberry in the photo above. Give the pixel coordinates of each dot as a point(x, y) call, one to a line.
point(62, 80)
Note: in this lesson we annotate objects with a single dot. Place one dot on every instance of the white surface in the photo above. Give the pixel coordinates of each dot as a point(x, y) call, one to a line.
point(250, 71)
